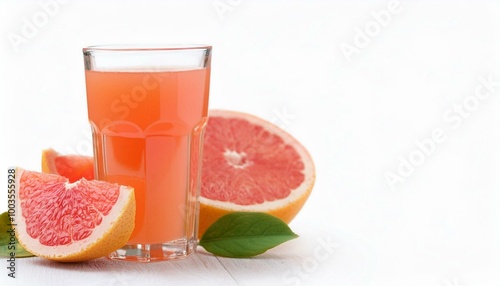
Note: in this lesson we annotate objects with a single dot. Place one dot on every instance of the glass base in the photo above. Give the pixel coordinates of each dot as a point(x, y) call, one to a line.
point(172, 250)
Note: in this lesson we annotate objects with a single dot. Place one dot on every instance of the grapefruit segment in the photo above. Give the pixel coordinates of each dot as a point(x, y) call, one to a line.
point(69, 222)
point(250, 164)
point(73, 167)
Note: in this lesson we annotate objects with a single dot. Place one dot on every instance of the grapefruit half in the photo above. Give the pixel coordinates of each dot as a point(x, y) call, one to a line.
point(70, 222)
point(250, 164)
point(73, 167)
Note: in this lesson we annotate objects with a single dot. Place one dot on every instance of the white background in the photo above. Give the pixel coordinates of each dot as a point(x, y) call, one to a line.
point(360, 115)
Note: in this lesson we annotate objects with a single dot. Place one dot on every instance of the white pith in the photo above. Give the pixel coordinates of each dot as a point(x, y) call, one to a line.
point(237, 159)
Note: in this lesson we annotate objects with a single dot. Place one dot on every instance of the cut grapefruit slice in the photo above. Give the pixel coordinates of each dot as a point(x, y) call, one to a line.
point(69, 222)
point(250, 164)
point(73, 167)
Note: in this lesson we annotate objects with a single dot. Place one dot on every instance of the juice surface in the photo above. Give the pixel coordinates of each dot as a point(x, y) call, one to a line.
point(147, 131)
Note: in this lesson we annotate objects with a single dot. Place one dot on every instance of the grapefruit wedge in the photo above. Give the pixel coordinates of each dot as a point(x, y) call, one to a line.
point(250, 164)
point(73, 167)
point(70, 222)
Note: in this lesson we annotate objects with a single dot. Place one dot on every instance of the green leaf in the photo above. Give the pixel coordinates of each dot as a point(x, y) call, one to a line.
point(245, 234)
point(8, 242)
point(4, 228)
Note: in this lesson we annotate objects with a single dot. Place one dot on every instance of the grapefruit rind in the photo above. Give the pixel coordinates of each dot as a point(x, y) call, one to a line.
point(113, 232)
point(285, 209)
point(48, 161)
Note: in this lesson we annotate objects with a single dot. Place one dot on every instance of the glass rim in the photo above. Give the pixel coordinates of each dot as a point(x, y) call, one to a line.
point(146, 47)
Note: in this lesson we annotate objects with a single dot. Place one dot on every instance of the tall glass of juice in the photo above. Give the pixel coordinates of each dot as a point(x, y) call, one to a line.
point(147, 107)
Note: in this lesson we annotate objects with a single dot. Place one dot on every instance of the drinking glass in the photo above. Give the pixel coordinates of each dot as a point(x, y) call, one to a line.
point(147, 107)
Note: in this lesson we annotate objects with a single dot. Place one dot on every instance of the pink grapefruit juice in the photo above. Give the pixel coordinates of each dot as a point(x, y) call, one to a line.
point(147, 131)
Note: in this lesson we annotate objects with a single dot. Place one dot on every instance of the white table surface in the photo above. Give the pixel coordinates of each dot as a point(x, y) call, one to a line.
point(416, 77)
